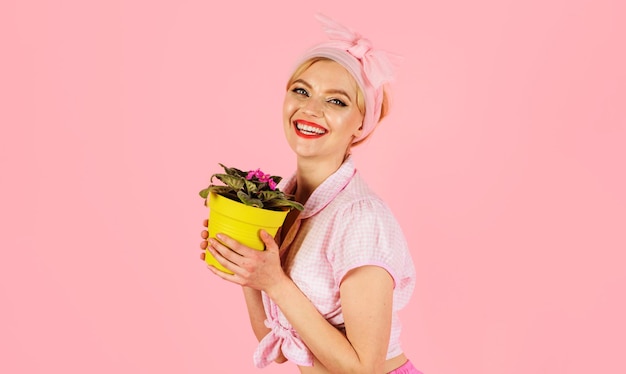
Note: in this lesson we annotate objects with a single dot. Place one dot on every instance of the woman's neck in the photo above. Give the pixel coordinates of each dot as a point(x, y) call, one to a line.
point(311, 172)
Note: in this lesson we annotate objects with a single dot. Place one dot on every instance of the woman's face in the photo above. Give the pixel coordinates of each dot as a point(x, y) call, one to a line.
point(320, 114)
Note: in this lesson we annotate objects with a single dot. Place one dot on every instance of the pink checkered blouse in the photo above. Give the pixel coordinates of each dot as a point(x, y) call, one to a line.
point(344, 225)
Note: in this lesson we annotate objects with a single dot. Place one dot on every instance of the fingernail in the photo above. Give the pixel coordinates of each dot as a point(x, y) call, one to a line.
point(220, 236)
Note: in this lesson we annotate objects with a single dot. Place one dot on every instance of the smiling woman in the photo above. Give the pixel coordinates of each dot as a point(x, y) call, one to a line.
point(326, 292)
point(320, 112)
point(359, 101)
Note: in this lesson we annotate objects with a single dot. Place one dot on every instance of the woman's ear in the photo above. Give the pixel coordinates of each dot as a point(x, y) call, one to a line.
point(358, 131)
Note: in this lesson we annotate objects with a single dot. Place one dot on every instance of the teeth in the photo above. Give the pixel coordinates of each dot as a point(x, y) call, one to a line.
point(309, 129)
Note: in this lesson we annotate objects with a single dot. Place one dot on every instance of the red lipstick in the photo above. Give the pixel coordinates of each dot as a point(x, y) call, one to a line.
point(308, 130)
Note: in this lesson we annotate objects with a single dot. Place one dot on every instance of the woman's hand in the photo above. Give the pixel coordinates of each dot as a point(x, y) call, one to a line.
point(260, 270)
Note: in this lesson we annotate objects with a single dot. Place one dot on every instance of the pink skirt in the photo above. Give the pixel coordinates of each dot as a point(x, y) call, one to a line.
point(407, 368)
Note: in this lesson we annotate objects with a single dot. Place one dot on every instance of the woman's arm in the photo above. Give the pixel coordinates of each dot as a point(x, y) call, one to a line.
point(256, 312)
point(366, 300)
point(254, 301)
point(366, 294)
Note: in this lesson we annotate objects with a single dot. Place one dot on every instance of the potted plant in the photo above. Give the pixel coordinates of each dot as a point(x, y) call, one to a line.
point(245, 203)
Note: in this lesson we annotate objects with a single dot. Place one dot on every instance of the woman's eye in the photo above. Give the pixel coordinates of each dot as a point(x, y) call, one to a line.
point(300, 91)
point(337, 102)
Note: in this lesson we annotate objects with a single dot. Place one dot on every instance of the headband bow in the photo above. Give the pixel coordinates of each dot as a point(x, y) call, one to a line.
point(377, 66)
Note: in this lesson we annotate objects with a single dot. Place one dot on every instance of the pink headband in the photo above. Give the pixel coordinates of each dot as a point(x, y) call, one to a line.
point(370, 68)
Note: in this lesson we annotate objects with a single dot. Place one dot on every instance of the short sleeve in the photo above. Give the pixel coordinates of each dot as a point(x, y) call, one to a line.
point(367, 233)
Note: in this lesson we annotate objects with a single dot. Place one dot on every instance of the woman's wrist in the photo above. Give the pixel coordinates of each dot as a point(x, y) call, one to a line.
point(280, 288)
point(249, 290)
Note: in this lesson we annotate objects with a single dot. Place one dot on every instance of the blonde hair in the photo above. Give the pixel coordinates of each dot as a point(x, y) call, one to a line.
point(360, 100)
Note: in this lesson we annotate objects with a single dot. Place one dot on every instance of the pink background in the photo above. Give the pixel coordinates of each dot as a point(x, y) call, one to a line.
point(503, 159)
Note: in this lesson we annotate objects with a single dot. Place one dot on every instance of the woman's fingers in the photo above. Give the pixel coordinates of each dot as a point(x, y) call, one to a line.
point(205, 235)
point(226, 276)
point(233, 245)
point(268, 240)
point(224, 255)
point(224, 251)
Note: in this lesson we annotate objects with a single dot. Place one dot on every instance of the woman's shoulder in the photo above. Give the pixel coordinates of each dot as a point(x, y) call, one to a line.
point(357, 196)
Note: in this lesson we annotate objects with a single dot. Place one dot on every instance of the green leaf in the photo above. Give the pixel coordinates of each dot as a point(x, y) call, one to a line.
point(250, 186)
point(270, 195)
point(233, 171)
point(277, 203)
point(205, 193)
point(234, 182)
point(220, 190)
point(248, 200)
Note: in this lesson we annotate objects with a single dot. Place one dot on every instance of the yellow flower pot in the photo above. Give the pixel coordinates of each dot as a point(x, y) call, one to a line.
point(241, 222)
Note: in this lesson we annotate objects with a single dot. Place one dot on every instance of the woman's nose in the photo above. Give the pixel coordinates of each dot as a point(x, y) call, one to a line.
point(313, 107)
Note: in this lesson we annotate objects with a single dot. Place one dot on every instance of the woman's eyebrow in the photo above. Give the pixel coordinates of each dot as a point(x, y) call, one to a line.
point(331, 91)
point(340, 92)
point(301, 81)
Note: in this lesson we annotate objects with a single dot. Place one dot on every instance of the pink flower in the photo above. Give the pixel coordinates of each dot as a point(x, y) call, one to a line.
point(272, 184)
point(253, 173)
point(262, 177)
